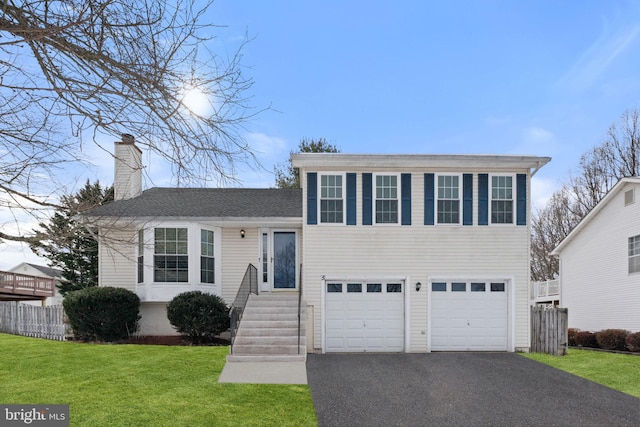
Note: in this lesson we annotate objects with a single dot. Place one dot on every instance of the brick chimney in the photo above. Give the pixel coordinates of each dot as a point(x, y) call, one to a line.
point(128, 169)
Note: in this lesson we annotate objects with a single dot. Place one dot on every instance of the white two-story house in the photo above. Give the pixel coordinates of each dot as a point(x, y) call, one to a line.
point(391, 253)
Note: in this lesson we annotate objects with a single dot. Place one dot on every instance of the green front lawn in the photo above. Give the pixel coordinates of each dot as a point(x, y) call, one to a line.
point(143, 385)
point(618, 371)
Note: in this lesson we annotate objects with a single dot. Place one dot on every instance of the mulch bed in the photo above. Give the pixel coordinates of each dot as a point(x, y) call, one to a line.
point(168, 340)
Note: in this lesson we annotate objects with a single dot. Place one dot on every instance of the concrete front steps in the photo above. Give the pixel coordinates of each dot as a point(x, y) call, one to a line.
point(268, 330)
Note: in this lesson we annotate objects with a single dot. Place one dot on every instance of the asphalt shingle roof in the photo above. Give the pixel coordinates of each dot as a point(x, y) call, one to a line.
point(51, 272)
point(207, 202)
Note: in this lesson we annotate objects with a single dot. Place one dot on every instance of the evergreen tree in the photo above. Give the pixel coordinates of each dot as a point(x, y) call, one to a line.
point(287, 176)
point(68, 244)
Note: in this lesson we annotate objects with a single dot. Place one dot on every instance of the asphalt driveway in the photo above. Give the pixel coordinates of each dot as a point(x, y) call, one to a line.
point(459, 389)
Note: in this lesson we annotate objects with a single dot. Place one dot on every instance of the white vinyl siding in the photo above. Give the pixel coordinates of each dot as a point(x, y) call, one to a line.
point(595, 282)
point(116, 258)
point(418, 252)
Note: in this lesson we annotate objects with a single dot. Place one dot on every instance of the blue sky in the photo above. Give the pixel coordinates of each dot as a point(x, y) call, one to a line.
point(537, 77)
point(489, 77)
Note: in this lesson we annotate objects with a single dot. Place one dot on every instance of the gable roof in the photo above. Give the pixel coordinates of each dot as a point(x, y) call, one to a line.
point(582, 224)
point(207, 203)
point(47, 271)
point(51, 272)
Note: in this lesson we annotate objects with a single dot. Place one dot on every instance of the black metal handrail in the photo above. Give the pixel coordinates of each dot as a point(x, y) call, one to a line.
point(248, 286)
point(299, 306)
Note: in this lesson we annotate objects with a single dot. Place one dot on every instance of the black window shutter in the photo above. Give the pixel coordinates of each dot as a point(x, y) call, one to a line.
point(351, 199)
point(405, 182)
point(521, 199)
point(312, 198)
point(467, 199)
point(428, 199)
point(483, 199)
point(367, 193)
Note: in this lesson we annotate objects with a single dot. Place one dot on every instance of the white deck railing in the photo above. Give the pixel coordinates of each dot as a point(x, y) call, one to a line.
point(545, 291)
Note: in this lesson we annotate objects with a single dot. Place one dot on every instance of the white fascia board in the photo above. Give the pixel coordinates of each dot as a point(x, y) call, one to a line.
point(217, 221)
point(453, 161)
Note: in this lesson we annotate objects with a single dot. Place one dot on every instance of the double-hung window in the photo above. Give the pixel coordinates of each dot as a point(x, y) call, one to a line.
point(170, 255)
point(502, 199)
point(331, 199)
point(207, 258)
point(386, 199)
point(634, 254)
point(448, 199)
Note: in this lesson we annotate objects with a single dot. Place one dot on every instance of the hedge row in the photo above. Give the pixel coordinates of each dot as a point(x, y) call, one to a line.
point(607, 339)
point(112, 314)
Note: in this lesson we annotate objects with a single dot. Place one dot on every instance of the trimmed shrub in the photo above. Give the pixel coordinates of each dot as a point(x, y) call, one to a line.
point(102, 313)
point(612, 339)
point(585, 339)
point(633, 342)
point(571, 336)
point(198, 316)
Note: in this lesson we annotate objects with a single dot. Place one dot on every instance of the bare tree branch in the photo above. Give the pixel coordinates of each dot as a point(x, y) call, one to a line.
point(80, 69)
point(600, 169)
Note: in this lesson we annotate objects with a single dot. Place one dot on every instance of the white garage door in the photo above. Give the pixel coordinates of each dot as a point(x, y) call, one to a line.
point(469, 316)
point(364, 316)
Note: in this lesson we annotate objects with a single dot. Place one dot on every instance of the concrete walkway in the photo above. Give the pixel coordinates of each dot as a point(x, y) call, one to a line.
point(264, 373)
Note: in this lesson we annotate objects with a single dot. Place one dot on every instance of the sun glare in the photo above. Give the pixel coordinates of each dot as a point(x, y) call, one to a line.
point(197, 101)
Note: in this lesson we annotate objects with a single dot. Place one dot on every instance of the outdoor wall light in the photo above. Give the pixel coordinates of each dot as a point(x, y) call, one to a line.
point(242, 233)
point(418, 286)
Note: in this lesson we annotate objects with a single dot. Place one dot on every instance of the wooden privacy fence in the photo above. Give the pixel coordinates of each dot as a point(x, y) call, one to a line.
point(32, 321)
point(549, 330)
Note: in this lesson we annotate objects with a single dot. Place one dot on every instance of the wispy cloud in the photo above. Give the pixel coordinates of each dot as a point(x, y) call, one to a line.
point(541, 191)
point(534, 140)
point(599, 56)
point(266, 145)
point(270, 151)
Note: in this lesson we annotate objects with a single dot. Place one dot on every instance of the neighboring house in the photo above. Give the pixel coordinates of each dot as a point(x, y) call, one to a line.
point(41, 271)
point(600, 263)
point(399, 253)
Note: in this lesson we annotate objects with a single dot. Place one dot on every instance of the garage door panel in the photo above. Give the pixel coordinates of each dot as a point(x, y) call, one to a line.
point(469, 321)
point(353, 324)
point(335, 322)
point(368, 321)
point(335, 342)
point(354, 342)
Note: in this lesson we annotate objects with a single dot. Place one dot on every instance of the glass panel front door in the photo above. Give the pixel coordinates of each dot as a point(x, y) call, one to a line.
point(284, 260)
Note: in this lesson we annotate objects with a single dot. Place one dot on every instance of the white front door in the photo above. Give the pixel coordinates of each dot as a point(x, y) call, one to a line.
point(278, 260)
